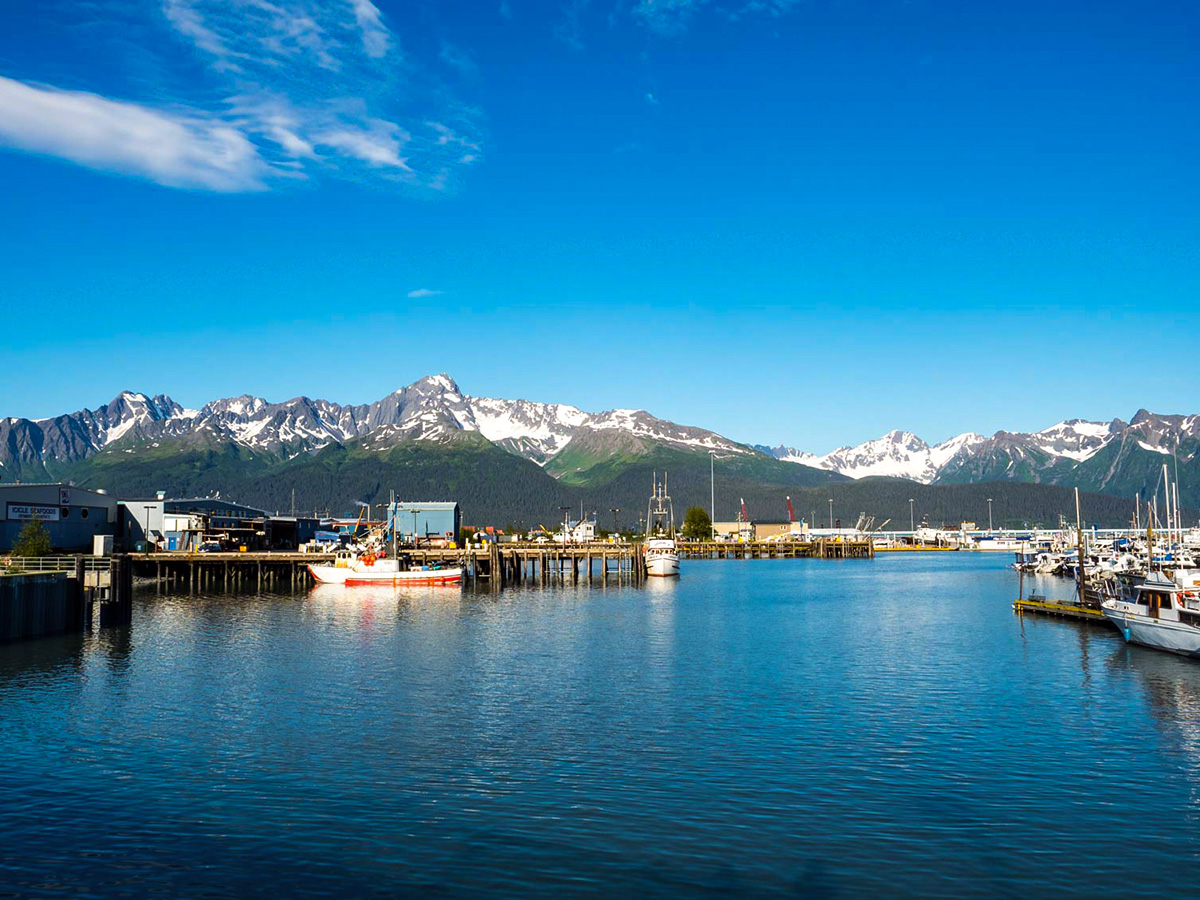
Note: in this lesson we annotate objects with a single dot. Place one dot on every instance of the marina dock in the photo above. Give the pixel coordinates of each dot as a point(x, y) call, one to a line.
point(492, 565)
point(1068, 609)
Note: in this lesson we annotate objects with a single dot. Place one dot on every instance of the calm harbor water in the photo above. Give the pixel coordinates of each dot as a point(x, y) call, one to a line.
point(794, 727)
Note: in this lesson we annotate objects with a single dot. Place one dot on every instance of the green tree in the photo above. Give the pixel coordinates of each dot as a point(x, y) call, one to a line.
point(697, 525)
point(33, 540)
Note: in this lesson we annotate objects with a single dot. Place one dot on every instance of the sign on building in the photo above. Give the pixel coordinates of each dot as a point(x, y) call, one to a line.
point(24, 512)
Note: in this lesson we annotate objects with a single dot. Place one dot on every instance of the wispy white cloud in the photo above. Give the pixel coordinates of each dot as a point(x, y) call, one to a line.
point(295, 89)
point(666, 15)
point(376, 37)
point(174, 148)
point(423, 292)
point(458, 58)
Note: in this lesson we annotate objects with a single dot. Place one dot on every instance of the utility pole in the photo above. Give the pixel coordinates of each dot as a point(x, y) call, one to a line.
point(989, 499)
point(712, 493)
point(912, 516)
point(831, 514)
point(616, 530)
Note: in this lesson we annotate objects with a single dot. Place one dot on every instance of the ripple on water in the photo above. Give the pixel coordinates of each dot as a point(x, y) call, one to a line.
point(804, 728)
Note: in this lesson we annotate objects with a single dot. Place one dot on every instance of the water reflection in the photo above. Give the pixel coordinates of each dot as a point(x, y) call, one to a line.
point(772, 728)
point(1172, 688)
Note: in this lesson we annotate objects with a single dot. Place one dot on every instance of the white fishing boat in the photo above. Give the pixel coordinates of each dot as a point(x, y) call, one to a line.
point(1158, 612)
point(349, 569)
point(661, 552)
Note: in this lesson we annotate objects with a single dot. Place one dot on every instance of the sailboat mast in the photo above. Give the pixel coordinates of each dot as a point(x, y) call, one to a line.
point(1079, 534)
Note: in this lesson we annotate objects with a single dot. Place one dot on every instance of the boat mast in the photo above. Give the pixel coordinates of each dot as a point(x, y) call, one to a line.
point(1079, 535)
point(1149, 541)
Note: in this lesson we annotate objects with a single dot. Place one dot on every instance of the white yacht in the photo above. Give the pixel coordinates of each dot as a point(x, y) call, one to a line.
point(1158, 612)
point(662, 555)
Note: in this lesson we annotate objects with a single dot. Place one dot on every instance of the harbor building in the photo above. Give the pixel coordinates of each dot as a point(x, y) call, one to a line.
point(159, 523)
point(72, 516)
point(427, 521)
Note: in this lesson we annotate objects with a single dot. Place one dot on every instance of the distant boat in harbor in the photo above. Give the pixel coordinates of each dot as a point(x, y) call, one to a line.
point(661, 553)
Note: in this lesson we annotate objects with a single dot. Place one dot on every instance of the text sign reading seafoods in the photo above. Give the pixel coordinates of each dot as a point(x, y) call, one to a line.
point(27, 511)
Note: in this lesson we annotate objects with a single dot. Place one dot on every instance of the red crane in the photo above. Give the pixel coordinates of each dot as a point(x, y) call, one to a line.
point(745, 515)
point(791, 515)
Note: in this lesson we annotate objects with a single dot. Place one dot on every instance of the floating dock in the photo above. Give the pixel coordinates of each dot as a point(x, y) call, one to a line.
point(1069, 609)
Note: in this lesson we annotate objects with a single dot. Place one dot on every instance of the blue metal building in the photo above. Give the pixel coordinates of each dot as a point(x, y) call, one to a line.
point(432, 520)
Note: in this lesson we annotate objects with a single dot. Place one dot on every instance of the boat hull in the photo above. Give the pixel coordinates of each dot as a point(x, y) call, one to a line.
point(1157, 633)
point(360, 576)
point(662, 565)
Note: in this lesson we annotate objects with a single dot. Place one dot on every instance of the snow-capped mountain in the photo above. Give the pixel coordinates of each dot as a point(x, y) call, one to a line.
point(898, 454)
point(1114, 457)
point(432, 409)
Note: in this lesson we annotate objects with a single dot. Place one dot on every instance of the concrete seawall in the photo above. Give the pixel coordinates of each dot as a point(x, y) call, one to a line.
point(39, 604)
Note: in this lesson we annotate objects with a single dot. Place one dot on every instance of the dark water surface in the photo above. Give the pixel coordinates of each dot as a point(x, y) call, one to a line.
point(881, 728)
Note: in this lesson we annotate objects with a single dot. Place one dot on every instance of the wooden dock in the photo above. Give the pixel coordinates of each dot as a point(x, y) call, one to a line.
point(491, 565)
point(1067, 609)
point(817, 549)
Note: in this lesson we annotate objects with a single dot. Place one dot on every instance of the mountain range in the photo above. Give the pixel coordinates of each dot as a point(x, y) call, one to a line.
point(1117, 457)
point(510, 460)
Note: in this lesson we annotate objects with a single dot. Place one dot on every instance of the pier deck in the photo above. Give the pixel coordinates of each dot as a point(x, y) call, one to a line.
point(496, 565)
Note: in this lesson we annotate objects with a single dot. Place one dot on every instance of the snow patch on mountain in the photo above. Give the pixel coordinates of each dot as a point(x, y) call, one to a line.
point(898, 454)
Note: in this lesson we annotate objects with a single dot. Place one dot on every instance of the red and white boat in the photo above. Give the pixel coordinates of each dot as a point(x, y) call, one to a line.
point(351, 570)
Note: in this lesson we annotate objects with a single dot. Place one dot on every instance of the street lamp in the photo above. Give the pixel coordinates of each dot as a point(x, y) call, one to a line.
point(414, 512)
point(616, 530)
point(912, 517)
point(831, 514)
point(989, 513)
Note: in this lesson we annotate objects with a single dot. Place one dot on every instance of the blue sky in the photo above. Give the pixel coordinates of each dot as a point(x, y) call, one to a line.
point(798, 222)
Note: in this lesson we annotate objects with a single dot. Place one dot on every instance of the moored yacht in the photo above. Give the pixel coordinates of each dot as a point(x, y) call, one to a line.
point(661, 552)
point(1158, 612)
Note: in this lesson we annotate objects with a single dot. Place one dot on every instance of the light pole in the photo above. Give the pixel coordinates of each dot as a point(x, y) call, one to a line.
point(912, 517)
point(712, 493)
point(616, 530)
point(414, 512)
point(989, 514)
point(831, 514)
